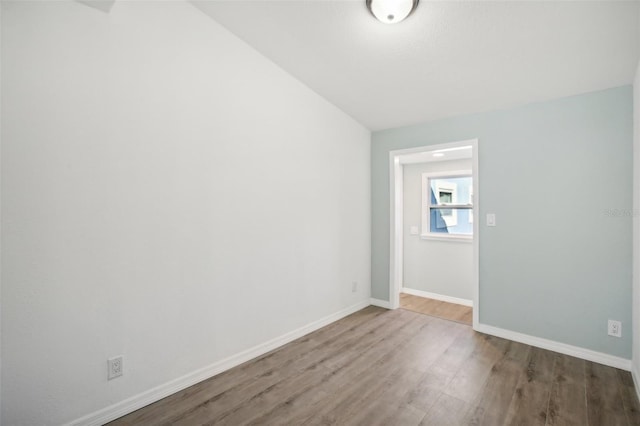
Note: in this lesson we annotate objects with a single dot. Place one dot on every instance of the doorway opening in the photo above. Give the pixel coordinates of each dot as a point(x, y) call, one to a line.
point(434, 216)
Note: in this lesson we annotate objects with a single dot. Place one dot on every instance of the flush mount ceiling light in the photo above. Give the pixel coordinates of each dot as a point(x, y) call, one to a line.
point(457, 148)
point(391, 11)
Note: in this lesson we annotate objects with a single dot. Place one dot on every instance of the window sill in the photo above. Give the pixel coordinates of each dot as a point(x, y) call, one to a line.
point(449, 238)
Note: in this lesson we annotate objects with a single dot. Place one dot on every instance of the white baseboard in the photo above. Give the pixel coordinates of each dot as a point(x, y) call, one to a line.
point(381, 303)
point(152, 395)
point(563, 348)
point(436, 296)
point(636, 378)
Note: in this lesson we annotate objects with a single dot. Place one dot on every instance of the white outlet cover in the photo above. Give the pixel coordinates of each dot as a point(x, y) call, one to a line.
point(415, 230)
point(614, 328)
point(115, 367)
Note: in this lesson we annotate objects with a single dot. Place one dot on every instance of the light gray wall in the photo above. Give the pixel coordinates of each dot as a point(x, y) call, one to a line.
point(442, 267)
point(636, 224)
point(557, 266)
point(168, 194)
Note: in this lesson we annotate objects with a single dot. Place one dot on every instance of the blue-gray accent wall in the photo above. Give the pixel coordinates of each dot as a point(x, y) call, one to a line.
point(558, 176)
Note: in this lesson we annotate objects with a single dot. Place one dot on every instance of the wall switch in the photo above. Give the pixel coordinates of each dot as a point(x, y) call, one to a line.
point(615, 328)
point(114, 367)
point(415, 230)
point(491, 219)
point(354, 286)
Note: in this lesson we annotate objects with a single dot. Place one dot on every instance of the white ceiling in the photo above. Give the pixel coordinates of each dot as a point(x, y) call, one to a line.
point(446, 59)
point(457, 153)
point(103, 5)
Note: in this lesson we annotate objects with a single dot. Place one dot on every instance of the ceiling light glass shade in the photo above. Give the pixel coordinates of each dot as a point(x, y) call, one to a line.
point(391, 11)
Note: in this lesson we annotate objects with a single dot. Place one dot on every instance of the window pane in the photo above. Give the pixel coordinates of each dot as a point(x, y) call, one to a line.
point(455, 190)
point(441, 221)
point(447, 191)
point(446, 197)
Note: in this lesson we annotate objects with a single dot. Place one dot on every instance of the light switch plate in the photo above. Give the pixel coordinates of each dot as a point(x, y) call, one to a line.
point(415, 230)
point(491, 219)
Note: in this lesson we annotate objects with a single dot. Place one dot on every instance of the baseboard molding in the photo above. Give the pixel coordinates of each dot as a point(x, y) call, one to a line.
point(563, 348)
point(636, 378)
point(381, 303)
point(143, 399)
point(436, 296)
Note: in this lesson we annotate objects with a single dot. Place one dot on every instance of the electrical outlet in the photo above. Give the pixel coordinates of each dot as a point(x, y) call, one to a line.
point(115, 367)
point(354, 286)
point(615, 328)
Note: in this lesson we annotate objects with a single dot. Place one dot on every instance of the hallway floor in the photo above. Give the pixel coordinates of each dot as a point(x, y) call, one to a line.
point(436, 308)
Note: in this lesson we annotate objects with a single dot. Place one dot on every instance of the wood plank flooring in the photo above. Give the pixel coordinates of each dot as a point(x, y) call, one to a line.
point(381, 367)
point(437, 308)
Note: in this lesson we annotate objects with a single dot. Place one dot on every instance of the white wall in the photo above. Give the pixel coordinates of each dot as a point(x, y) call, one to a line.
point(168, 194)
point(441, 267)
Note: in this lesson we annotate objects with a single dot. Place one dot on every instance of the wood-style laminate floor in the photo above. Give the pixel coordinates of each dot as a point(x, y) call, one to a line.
point(437, 308)
point(381, 367)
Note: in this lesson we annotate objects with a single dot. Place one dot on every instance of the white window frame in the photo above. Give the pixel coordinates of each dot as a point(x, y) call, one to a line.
point(449, 220)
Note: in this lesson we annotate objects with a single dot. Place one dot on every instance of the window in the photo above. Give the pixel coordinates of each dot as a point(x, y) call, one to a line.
point(447, 205)
point(471, 203)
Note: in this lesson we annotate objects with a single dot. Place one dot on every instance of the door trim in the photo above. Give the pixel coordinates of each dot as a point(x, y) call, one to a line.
point(396, 188)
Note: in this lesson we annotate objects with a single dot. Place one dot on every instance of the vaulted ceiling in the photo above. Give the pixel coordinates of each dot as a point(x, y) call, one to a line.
point(446, 59)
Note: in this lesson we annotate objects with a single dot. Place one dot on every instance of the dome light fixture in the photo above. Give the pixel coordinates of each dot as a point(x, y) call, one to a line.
point(391, 11)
